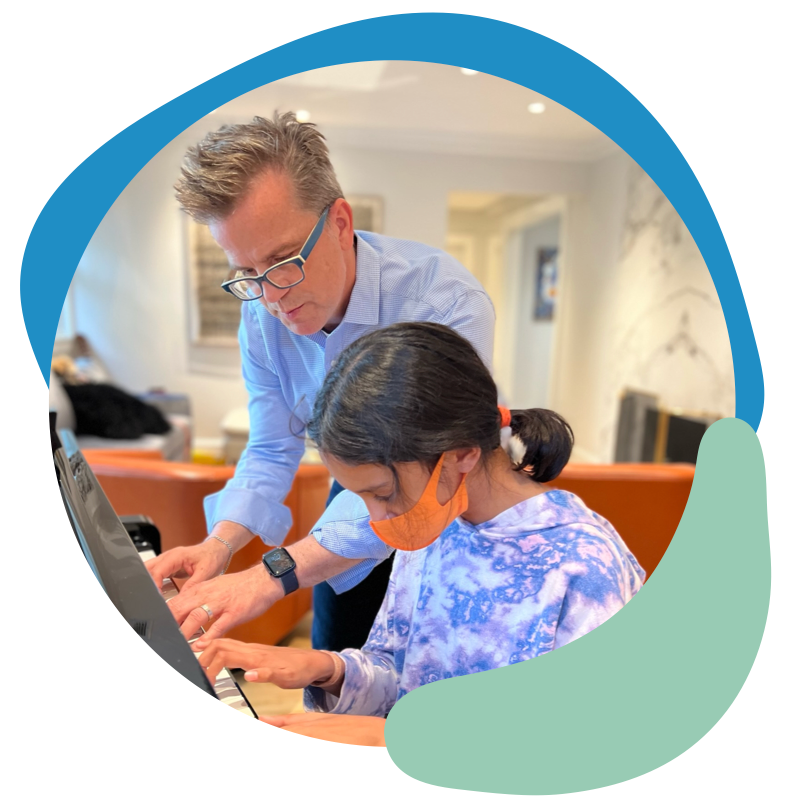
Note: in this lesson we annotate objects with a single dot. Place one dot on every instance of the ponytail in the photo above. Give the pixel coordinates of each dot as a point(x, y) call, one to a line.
point(547, 440)
point(413, 391)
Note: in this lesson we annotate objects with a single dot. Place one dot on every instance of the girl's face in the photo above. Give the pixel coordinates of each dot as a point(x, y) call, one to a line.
point(376, 485)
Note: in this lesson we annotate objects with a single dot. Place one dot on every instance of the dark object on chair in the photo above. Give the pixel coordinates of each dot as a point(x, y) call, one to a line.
point(107, 411)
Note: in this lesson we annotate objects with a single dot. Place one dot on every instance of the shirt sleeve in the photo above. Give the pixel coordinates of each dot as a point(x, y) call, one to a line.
point(344, 529)
point(371, 681)
point(474, 318)
point(264, 475)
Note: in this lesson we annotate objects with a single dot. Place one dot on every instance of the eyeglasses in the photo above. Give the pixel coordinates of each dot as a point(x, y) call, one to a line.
point(285, 274)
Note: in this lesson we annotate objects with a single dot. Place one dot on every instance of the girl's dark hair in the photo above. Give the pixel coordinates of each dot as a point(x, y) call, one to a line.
point(412, 391)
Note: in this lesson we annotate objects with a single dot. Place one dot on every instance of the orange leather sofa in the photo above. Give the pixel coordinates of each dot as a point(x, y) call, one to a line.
point(644, 502)
point(171, 494)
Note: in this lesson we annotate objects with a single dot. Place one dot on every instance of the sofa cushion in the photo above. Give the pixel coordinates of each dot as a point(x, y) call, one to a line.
point(172, 446)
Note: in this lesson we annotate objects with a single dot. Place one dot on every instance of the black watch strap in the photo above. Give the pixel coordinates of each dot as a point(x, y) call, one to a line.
point(280, 565)
point(289, 582)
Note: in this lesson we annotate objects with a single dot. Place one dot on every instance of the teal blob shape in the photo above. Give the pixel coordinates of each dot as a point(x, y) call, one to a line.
point(640, 689)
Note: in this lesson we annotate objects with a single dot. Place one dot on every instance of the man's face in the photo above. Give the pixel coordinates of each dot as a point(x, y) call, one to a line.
point(267, 227)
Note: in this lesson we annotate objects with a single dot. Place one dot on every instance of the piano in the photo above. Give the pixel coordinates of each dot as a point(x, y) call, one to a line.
point(226, 687)
point(120, 569)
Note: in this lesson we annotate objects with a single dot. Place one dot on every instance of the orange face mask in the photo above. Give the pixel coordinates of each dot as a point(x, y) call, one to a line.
point(428, 517)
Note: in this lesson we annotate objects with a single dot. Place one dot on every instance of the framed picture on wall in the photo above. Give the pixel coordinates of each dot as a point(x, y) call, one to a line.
point(214, 314)
point(368, 212)
point(546, 284)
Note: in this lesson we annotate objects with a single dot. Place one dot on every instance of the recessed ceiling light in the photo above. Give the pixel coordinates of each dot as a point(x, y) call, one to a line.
point(303, 116)
point(468, 71)
point(536, 107)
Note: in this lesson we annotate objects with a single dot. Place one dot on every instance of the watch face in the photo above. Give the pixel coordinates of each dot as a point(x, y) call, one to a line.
point(278, 561)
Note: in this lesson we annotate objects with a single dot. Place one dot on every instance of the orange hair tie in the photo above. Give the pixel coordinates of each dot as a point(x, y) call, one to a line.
point(505, 414)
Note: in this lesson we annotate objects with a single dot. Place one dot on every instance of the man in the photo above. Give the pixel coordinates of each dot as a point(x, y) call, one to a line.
point(311, 286)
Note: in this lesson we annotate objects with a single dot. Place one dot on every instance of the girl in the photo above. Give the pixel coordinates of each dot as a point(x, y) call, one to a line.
point(493, 568)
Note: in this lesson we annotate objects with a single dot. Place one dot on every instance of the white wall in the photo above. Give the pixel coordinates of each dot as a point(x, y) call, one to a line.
point(131, 286)
point(638, 309)
point(415, 186)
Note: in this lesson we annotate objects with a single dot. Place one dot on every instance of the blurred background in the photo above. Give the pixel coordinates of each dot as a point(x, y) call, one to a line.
point(605, 309)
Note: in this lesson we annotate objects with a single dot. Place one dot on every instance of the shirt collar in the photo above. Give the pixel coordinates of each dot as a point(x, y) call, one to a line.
point(365, 298)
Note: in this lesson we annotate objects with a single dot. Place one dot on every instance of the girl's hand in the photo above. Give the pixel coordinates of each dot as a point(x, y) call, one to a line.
point(286, 667)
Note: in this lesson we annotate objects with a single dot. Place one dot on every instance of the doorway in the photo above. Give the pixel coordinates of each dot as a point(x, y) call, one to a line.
point(512, 245)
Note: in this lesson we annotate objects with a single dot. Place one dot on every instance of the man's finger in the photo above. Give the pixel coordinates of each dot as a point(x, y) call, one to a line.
point(201, 573)
point(180, 608)
point(162, 568)
point(159, 577)
point(219, 627)
point(195, 621)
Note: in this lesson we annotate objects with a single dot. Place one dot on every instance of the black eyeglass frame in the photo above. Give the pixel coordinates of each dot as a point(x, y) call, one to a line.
point(299, 261)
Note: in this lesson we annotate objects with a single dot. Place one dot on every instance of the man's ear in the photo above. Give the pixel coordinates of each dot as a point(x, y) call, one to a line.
point(341, 217)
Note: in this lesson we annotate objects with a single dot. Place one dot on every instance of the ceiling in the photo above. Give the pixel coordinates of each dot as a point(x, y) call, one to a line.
point(425, 106)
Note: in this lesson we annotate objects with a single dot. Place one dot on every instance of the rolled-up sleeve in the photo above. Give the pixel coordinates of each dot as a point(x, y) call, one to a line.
point(344, 529)
point(264, 475)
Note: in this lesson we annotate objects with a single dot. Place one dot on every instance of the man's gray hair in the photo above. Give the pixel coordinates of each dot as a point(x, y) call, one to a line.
point(219, 170)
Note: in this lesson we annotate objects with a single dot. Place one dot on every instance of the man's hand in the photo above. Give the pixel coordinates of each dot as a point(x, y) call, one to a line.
point(232, 599)
point(352, 729)
point(286, 667)
point(235, 598)
point(199, 563)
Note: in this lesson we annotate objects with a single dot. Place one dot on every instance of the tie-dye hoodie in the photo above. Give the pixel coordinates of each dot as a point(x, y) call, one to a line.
point(537, 576)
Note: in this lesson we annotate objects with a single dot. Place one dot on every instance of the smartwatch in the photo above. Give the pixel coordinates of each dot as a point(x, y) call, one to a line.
point(280, 564)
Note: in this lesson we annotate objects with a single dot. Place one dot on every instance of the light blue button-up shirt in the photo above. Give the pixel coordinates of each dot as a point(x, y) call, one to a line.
point(396, 281)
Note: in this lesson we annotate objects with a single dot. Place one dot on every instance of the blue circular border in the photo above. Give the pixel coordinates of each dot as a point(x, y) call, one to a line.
point(71, 216)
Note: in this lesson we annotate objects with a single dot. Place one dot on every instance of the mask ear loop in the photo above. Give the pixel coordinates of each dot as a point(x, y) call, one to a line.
point(434, 479)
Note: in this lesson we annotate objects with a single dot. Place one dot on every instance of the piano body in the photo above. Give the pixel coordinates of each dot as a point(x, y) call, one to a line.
point(226, 687)
point(119, 567)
